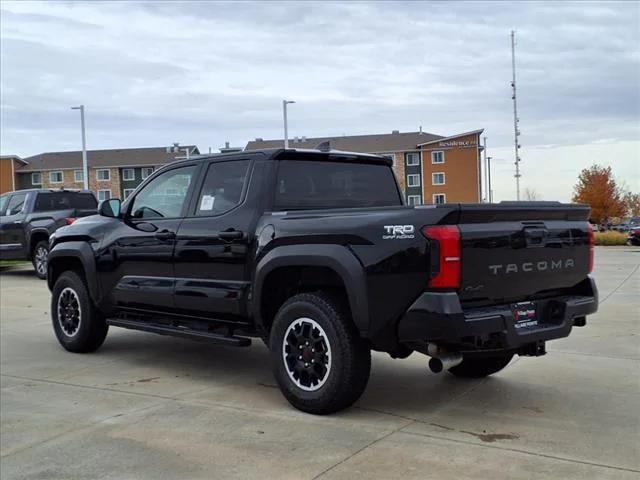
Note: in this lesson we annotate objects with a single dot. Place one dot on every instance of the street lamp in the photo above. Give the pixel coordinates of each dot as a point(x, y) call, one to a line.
point(490, 191)
point(85, 169)
point(286, 128)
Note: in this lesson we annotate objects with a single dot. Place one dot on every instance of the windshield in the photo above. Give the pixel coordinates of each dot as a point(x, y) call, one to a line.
point(3, 202)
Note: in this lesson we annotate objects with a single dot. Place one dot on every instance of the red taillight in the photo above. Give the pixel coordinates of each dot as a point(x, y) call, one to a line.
point(592, 247)
point(449, 256)
point(69, 220)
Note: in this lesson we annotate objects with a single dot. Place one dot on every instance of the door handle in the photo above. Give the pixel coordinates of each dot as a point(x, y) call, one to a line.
point(165, 235)
point(230, 235)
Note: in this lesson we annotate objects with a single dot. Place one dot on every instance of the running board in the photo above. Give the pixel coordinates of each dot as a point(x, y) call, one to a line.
point(180, 332)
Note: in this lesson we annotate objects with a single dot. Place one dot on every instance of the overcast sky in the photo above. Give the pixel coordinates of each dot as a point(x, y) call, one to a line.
point(204, 73)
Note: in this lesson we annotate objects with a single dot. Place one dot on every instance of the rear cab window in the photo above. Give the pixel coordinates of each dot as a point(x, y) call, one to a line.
point(315, 184)
point(222, 188)
point(51, 201)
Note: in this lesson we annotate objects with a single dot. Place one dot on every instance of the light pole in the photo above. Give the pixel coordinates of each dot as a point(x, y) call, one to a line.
point(286, 127)
point(489, 179)
point(85, 169)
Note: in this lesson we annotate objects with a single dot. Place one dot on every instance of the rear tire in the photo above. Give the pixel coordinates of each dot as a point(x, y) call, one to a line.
point(39, 258)
point(78, 325)
point(320, 362)
point(481, 366)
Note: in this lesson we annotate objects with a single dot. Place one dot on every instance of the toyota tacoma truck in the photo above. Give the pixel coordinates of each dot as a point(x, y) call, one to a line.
point(315, 253)
point(29, 217)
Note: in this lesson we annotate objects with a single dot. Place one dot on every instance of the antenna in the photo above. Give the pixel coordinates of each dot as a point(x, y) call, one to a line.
point(516, 120)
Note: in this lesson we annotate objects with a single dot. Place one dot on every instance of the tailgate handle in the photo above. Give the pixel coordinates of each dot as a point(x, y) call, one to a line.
point(536, 236)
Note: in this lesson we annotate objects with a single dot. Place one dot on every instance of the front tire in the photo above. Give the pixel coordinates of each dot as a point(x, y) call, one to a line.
point(39, 259)
point(320, 362)
point(481, 366)
point(78, 325)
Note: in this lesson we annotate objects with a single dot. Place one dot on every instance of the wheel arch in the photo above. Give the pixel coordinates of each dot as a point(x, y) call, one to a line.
point(73, 256)
point(36, 236)
point(330, 261)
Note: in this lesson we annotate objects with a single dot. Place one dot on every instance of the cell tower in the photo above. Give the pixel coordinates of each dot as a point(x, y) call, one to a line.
point(516, 120)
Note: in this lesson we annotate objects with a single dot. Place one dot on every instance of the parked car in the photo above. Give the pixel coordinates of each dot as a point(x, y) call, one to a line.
point(634, 236)
point(315, 253)
point(29, 217)
point(622, 227)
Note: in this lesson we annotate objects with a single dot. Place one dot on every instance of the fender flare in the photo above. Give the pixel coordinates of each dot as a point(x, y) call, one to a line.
point(83, 252)
point(336, 257)
point(36, 231)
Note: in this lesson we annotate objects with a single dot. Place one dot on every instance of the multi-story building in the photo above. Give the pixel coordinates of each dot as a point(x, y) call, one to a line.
point(430, 168)
point(9, 164)
point(112, 173)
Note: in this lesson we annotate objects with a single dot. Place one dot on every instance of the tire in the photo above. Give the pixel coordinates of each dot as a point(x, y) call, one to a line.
point(333, 369)
point(39, 258)
point(78, 325)
point(481, 366)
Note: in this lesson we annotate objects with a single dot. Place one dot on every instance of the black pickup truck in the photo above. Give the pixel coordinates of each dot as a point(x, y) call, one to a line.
point(315, 253)
point(29, 217)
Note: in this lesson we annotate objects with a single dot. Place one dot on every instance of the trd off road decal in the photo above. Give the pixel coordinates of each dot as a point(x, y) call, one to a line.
point(398, 232)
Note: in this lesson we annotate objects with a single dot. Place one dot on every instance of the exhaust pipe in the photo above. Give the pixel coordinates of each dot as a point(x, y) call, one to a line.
point(444, 362)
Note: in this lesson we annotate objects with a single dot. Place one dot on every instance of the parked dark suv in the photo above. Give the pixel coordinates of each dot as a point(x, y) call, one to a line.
point(315, 253)
point(29, 217)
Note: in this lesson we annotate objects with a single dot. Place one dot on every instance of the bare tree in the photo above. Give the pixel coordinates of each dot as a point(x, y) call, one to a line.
point(531, 195)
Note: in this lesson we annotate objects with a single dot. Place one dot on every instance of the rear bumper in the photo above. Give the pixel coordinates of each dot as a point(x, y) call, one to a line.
point(439, 318)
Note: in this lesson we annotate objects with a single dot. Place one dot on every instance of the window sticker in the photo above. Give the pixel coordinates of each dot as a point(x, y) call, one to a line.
point(207, 202)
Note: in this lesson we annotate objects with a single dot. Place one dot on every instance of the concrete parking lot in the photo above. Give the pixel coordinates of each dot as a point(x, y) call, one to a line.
point(151, 407)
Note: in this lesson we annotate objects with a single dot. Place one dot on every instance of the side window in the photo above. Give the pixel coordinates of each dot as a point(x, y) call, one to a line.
point(165, 195)
point(222, 188)
point(16, 203)
point(3, 203)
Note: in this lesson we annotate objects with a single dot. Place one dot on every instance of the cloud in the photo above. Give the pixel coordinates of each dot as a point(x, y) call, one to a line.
point(152, 73)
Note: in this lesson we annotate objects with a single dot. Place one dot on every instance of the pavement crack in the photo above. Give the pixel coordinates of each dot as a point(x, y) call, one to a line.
point(92, 387)
point(620, 285)
point(373, 442)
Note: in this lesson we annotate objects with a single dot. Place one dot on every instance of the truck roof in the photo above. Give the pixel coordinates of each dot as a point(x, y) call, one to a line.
point(50, 190)
point(300, 154)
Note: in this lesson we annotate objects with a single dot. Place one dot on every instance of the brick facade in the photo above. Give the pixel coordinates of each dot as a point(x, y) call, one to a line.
point(461, 168)
point(113, 184)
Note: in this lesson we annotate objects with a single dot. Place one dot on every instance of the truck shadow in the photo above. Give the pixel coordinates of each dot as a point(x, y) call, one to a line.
point(243, 375)
point(15, 272)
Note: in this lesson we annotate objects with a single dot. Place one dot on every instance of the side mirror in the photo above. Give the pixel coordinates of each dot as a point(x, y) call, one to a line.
point(110, 208)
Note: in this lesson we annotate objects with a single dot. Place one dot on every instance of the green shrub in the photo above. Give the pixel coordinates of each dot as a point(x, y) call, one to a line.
point(611, 238)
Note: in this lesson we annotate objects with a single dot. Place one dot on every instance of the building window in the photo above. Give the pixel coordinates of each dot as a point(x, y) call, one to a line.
point(439, 198)
point(413, 180)
point(36, 178)
point(78, 175)
point(127, 192)
point(414, 199)
point(55, 177)
point(104, 195)
point(437, 157)
point(128, 174)
point(103, 175)
point(413, 159)
point(146, 171)
point(437, 178)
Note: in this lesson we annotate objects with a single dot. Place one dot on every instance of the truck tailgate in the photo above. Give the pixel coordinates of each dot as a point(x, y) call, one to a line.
point(516, 251)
